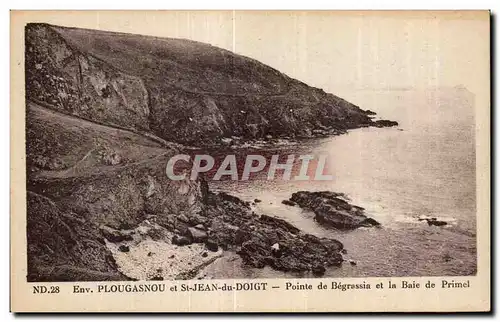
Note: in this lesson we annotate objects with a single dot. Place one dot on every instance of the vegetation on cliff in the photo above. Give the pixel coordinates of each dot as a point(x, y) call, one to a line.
point(105, 112)
point(180, 90)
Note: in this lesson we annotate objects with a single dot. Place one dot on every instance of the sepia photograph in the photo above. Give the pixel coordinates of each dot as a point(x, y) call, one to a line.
point(246, 145)
point(106, 112)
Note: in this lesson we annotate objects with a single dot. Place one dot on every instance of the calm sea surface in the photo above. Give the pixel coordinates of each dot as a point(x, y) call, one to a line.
point(424, 167)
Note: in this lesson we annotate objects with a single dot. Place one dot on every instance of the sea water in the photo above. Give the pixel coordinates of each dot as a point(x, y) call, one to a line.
point(425, 167)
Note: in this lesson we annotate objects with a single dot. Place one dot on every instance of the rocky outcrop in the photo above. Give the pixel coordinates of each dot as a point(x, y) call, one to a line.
point(73, 82)
point(77, 211)
point(180, 90)
point(106, 111)
point(331, 209)
point(385, 123)
point(255, 238)
point(74, 207)
point(63, 246)
point(288, 203)
point(231, 225)
point(434, 221)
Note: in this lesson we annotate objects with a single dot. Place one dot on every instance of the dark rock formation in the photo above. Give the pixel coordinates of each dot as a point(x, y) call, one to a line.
point(181, 240)
point(434, 222)
point(318, 270)
point(385, 123)
point(288, 203)
point(74, 208)
point(196, 235)
point(124, 248)
point(332, 210)
point(234, 226)
point(103, 110)
point(212, 245)
point(176, 89)
point(115, 236)
point(64, 246)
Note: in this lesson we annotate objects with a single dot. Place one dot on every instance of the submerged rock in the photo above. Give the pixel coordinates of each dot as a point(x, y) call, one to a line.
point(332, 210)
point(385, 123)
point(435, 222)
point(288, 203)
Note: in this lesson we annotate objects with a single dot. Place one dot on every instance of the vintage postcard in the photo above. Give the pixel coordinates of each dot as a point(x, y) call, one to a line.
point(250, 161)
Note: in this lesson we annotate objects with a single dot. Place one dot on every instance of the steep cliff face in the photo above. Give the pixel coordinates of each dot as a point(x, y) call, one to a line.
point(180, 90)
point(76, 83)
point(105, 112)
point(95, 192)
point(83, 176)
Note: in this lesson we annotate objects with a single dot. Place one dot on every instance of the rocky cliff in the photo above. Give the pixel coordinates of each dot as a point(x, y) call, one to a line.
point(100, 207)
point(82, 177)
point(180, 90)
point(104, 113)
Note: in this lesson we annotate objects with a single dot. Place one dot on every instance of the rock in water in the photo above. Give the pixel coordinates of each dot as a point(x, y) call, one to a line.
point(435, 222)
point(370, 222)
point(256, 238)
point(385, 123)
point(332, 210)
point(288, 203)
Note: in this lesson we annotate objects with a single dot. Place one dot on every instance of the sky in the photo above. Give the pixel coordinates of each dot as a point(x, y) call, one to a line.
point(370, 50)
